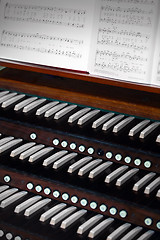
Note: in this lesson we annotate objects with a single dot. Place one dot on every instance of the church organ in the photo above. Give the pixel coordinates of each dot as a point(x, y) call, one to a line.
point(79, 156)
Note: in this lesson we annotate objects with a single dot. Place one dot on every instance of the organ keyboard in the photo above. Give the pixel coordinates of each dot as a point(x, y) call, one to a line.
point(70, 170)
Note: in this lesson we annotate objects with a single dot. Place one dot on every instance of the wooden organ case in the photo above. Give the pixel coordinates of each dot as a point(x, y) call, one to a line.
point(79, 156)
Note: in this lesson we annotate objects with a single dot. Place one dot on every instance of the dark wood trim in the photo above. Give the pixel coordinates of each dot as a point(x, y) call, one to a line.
point(79, 76)
point(113, 98)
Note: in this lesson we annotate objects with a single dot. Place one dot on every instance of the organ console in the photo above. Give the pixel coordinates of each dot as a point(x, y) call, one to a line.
point(79, 156)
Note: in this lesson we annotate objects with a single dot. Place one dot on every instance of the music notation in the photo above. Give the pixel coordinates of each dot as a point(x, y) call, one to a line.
point(115, 55)
point(123, 67)
point(42, 43)
point(121, 41)
point(146, 2)
point(123, 32)
point(53, 33)
point(126, 14)
point(39, 14)
point(111, 38)
point(124, 38)
point(131, 16)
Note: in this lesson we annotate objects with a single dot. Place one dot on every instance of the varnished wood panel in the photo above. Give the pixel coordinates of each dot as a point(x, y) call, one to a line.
point(119, 99)
point(85, 76)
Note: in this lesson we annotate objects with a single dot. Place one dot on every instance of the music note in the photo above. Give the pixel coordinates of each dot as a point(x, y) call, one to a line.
point(49, 15)
point(42, 43)
point(124, 37)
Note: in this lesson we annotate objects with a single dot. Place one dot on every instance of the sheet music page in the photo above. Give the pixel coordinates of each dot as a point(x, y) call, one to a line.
point(156, 60)
point(51, 32)
point(124, 35)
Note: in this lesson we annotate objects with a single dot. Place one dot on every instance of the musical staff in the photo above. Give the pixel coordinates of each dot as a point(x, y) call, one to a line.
point(123, 32)
point(50, 15)
point(42, 43)
point(145, 2)
point(122, 67)
point(116, 55)
point(124, 38)
point(132, 15)
point(122, 41)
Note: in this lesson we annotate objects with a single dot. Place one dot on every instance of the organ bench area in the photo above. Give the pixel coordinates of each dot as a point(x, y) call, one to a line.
point(79, 156)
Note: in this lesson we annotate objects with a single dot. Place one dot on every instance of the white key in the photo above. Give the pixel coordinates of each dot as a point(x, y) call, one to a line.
point(149, 129)
point(6, 97)
point(158, 139)
point(87, 117)
point(19, 208)
point(46, 107)
point(40, 154)
point(54, 157)
point(55, 109)
point(143, 181)
point(99, 169)
point(133, 131)
point(13, 100)
point(12, 199)
point(89, 224)
point(63, 214)
point(78, 114)
point(122, 124)
point(64, 111)
point(158, 194)
point(5, 140)
point(34, 208)
point(119, 231)
point(3, 188)
point(25, 102)
point(7, 193)
point(21, 149)
point(100, 227)
point(146, 235)
point(115, 174)
point(59, 163)
point(30, 151)
point(111, 122)
point(33, 105)
point(48, 214)
point(79, 164)
point(73, 218)
point(132, 233)
point(88, 167)
point(102, 119)
point(3, 93)
point(9, 145)
point(123, 179)
point(152, 186)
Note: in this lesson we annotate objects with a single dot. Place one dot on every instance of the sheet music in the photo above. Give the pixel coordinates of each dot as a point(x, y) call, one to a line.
point(51, 32)
point(156, 60)
point(125, 33)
